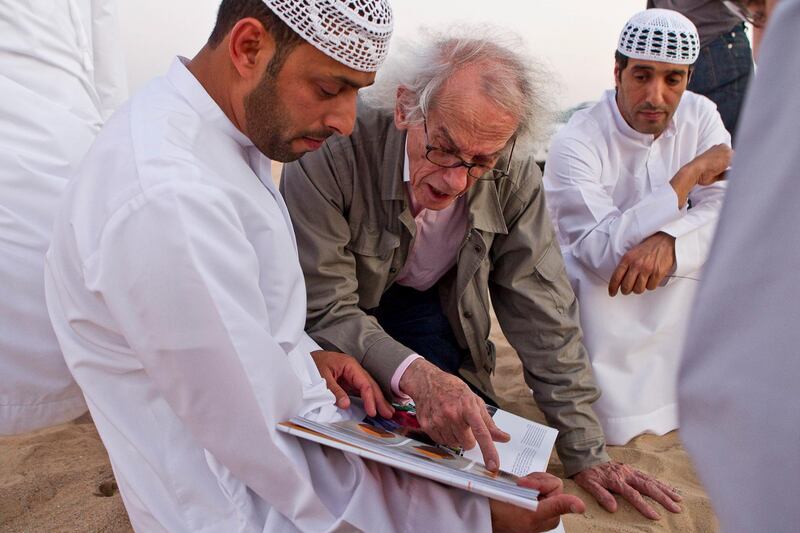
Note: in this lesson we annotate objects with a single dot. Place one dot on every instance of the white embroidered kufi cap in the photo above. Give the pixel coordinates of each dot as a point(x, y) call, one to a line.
point(353, 32)
point(660, 35)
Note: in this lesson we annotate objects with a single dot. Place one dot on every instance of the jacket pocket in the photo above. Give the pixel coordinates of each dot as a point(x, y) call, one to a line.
point(552, 274)
point(373, 242)
point(373, 252)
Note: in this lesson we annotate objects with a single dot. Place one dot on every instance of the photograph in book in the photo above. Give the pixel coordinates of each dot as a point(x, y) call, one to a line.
point(528, 450)
point(399, 442)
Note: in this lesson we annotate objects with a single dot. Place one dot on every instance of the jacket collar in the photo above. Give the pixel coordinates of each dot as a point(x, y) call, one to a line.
point(392, 170)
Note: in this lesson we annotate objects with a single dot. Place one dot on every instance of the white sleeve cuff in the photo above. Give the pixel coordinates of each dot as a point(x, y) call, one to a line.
point(307, 344)
point(688, 257)
point(657, 210)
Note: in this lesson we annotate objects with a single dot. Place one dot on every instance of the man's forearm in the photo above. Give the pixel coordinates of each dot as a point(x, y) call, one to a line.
point(579, 455)
point(705, 169)
point(362, 338)
point(684, 181)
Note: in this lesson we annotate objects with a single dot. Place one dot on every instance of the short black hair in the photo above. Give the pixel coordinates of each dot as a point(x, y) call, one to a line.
point(622, 62)
point(232, 11)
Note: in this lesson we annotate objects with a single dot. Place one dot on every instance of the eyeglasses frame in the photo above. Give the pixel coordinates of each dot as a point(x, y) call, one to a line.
point(495, 174)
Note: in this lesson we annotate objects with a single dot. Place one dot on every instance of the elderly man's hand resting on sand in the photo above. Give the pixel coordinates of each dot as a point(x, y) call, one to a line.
point(603, 479)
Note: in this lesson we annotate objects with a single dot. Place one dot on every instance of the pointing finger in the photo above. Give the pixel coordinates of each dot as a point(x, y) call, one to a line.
point(490, 456)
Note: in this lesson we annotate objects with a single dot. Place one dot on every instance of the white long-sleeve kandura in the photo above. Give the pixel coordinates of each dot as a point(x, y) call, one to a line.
point(61, 76)
point(608, 189)
point(176, 293)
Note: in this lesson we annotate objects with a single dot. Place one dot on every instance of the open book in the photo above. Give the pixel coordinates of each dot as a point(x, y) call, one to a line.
point(400, 443)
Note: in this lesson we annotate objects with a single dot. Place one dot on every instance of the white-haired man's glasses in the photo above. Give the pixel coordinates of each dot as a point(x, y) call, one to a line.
point(476, 170)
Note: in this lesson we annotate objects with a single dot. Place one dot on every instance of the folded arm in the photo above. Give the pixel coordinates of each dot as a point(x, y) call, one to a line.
point(598, 232)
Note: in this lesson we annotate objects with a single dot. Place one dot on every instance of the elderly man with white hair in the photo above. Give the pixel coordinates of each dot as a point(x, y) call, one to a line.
point(634, 187)
point(407, 227)
point(176, 294)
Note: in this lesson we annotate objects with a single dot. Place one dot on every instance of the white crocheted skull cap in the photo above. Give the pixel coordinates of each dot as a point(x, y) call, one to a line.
point(353, 32)
point(660, 35)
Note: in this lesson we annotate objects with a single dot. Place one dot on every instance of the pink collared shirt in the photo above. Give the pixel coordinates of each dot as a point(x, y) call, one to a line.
point(434, 252)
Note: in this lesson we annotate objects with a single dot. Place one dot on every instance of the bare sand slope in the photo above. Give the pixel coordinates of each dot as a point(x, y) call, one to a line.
point(59, 479)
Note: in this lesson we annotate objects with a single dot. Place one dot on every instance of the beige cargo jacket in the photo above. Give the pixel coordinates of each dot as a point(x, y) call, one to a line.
point(350, 212)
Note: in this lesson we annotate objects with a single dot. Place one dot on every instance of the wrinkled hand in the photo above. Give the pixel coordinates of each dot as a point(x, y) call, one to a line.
point(344, 375)
point(705, 169)
point(552, 504)
point(644, 266)
point(629, 483)
point(713, 163)
point(450, 413)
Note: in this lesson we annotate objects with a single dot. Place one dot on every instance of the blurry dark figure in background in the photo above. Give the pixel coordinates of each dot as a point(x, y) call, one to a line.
point(756, 13)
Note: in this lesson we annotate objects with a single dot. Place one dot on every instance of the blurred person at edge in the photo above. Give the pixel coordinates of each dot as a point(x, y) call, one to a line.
point(61, 76)
point(737, 388)
point(634, 187)
point(175, 291)
point(410, 224)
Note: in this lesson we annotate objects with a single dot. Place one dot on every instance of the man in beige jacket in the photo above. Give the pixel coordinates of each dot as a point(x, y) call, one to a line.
point(408, 226)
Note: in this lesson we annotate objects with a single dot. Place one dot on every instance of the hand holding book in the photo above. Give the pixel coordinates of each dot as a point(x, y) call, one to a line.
point(344, 376)
point(552, 504)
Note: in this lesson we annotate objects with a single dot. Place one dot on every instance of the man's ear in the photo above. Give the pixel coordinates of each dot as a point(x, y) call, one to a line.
point(250, 47)
point(403, 100)
point(617, 73)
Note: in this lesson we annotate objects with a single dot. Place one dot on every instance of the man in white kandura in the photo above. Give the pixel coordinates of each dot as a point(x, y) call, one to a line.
point(176, 293)
point(740, 406)
point(60, 77)
point(633, 184)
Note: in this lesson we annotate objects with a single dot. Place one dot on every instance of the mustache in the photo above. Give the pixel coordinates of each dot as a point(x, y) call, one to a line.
point(651, 108)
point(317, 134)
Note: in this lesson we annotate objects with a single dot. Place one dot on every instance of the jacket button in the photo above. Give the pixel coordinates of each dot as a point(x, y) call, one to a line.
point(477, 248)
point(392, 270)
point(467, 314)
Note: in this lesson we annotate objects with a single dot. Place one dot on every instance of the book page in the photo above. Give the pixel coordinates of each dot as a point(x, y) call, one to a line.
point(529, 448)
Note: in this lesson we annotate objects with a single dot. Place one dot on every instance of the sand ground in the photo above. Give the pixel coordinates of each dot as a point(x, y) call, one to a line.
point(59, 479)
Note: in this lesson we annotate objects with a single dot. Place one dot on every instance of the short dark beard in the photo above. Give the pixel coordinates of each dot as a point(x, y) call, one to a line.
point(268, 120)
point(269, 124)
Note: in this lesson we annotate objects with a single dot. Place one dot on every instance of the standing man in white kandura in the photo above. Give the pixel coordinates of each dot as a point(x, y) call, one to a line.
point(61, 76)
point(739, 403)
point(176, 293)
point(634, 187)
